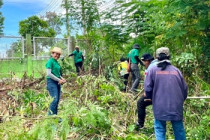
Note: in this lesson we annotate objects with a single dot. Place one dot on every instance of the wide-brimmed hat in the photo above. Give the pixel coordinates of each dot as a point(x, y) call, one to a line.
point(136, 46)
point(77, 47)
point(163, 50)
point(56, 50)
point(147, 57)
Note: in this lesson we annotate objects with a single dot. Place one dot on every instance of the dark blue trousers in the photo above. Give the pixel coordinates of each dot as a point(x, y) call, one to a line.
point(55, 90)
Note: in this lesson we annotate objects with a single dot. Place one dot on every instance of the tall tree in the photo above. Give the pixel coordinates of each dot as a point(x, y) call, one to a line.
point(84, 12)
point(54, 21)
point(36, 27)
point(1, 19)
point(66, 6)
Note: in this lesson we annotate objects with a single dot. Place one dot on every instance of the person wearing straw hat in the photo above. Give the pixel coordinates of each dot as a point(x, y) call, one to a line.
point(54, 79)
point(165, 85)
point(78, 59)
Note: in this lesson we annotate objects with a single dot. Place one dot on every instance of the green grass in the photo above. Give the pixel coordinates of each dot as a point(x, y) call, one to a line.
point(17, 68)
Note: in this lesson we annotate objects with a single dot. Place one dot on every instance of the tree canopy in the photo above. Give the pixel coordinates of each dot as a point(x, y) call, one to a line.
point(54, 21)
point(84, 12)
point(36, 27)
point(1, 19)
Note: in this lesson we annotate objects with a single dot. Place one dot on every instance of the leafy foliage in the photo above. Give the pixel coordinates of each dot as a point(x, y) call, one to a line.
point(187, 63)
point(36, 27)
point(84, 12)
point(179, 24)
point(1, 19)
point(94, 108)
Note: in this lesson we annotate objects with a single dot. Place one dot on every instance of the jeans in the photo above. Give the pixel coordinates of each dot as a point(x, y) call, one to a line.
point(141, 108)
point(55, 90)
point(178, 128)
point(135, 76)
point(79, 67)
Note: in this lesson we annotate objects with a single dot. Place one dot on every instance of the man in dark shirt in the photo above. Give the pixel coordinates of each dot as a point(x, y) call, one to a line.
point(143, 102)
point(165, 85)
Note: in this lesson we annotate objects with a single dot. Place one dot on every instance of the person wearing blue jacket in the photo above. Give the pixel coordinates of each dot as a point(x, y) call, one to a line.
point(165, 85)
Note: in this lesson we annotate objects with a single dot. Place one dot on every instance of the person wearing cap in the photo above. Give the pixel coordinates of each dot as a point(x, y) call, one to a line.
point(148, 61)
point(143, 102)
point(54, 79)
point(165, 85)
point(122, 67)
point(78, 59)
point(133, 58)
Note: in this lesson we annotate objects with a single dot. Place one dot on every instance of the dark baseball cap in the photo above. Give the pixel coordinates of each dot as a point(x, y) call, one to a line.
point(146, 57)
point(136, 46)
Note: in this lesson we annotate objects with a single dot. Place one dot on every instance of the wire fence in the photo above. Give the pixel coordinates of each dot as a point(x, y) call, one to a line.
point(11, 54)
point(11, 47)
point(42, 46)
point(13, 58)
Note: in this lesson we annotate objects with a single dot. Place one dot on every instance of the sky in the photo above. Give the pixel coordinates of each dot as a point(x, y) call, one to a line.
point(16, 10)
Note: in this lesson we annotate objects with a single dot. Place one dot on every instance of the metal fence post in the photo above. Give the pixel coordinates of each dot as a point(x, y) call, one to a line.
point(69, 45)
point(34, 47)
point(29, 52)
point(73, 41)
point(23, 45)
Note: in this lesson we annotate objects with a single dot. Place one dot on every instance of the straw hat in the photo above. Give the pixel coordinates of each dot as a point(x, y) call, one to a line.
point(56, 50)
point(77, 47)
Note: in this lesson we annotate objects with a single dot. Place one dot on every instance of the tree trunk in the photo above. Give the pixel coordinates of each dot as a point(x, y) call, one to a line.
point(67, 18)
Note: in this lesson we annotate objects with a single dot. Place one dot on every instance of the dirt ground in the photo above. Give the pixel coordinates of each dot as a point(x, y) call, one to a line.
point(8, 103)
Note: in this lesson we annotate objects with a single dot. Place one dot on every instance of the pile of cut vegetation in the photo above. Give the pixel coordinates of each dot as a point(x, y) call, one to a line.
point(91, 108)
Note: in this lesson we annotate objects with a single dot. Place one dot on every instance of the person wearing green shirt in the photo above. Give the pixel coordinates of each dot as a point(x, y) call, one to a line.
point(133, 57)
point(78, 59)
point(54, 80)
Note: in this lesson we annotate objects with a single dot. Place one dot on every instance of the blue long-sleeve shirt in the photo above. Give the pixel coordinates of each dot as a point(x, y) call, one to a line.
point(168, 91)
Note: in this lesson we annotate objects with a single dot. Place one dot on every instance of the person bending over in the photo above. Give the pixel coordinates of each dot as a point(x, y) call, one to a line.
point(78, 59)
